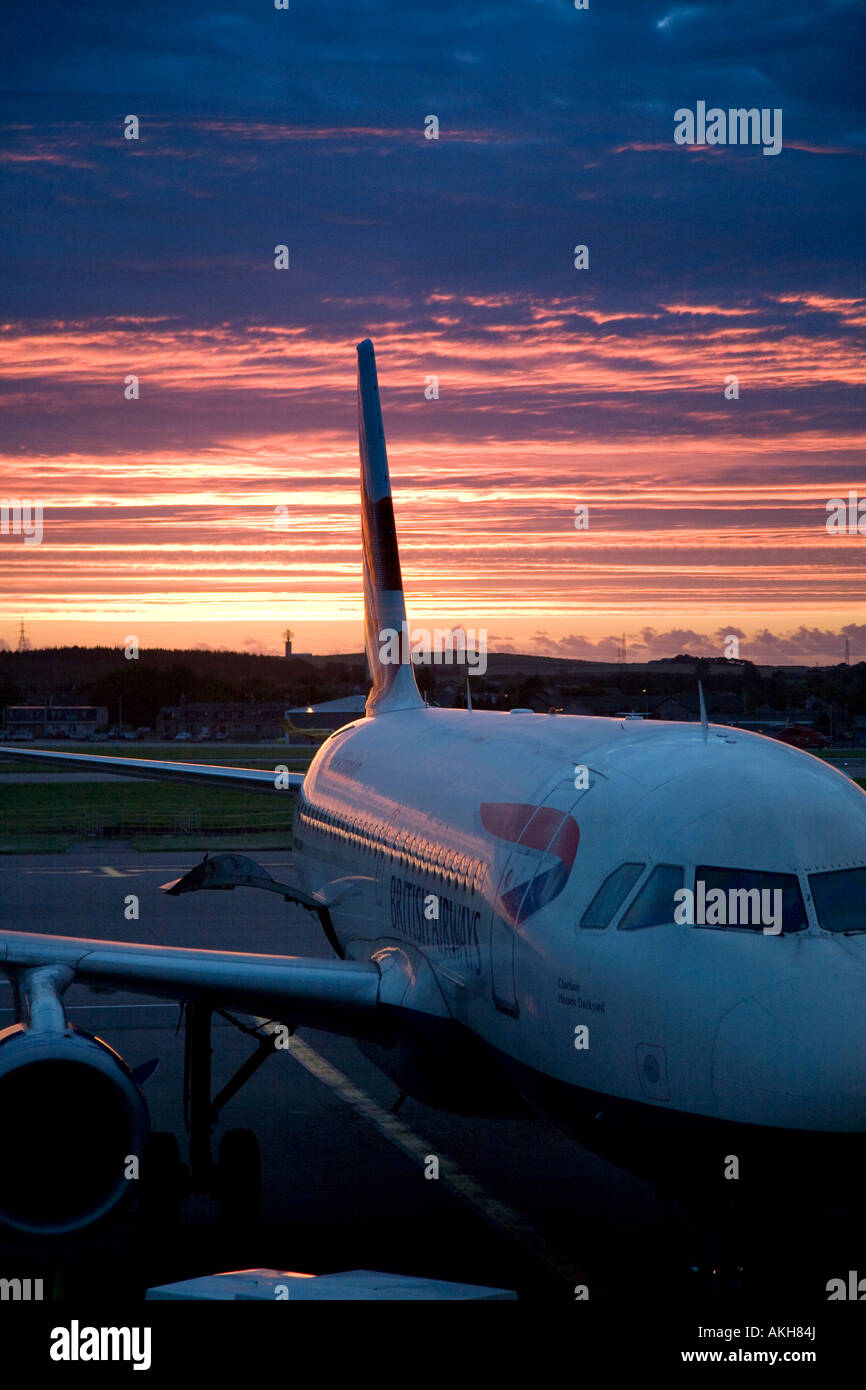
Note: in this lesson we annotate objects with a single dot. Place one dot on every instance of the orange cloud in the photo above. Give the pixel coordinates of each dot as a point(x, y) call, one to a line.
point(693, 509)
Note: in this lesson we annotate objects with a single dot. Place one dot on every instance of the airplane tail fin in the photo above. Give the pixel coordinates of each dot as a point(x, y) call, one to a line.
point(386, 633)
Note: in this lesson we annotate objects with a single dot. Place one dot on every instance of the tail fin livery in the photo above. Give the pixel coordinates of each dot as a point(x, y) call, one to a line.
point(385, 627)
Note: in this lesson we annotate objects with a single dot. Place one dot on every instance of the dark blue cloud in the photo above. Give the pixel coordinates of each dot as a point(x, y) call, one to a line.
point(556, 128)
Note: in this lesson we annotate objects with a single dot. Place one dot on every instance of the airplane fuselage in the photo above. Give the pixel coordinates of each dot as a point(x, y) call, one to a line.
point(474, 845)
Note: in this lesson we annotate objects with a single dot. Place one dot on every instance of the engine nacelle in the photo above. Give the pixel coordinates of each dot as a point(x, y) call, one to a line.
point(71, 1117)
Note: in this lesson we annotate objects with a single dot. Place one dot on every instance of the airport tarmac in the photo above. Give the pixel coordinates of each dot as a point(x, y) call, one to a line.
point(518, 1205)
point(852, 767)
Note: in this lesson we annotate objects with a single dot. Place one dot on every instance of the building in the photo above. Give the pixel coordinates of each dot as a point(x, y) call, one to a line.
point(241, 721)
point(252, 721)
point(27, 722)
point(327, 714)
point(288, 635)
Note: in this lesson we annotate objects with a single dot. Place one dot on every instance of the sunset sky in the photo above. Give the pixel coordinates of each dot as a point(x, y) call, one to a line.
point(557, 387)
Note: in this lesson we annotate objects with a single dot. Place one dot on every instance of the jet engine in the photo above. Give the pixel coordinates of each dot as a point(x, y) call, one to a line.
point(72, 1120)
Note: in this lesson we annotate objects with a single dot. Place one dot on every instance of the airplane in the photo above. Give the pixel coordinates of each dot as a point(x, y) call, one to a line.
point(500, 894)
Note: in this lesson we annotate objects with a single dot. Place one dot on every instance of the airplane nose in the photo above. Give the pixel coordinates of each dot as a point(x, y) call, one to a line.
point(794, 1055)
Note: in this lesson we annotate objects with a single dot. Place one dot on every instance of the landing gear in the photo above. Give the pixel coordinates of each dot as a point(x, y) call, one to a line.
point(234, 1180)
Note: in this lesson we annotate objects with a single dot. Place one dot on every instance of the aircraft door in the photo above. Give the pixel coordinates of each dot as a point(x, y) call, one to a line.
point(544, 841)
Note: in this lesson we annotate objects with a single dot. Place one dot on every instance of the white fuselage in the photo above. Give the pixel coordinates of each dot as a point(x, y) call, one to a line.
point(728, 1023)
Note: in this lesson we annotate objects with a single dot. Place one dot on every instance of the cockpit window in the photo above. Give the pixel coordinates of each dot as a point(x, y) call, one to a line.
point(840, 899)
point(750, 899)
point(611, 895)
point(654, 904)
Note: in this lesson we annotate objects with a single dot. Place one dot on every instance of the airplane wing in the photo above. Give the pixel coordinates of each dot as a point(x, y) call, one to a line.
point(253, 779)
point(336, 995)
point(70, 1092)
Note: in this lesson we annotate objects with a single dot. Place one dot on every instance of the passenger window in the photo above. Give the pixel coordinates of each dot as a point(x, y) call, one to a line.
point(654, 905)
point(611, 895)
